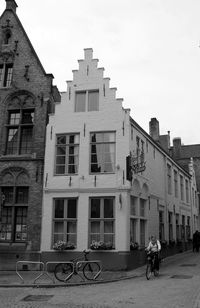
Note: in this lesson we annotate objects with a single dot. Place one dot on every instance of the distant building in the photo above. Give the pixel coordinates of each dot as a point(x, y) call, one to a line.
point(108, 184)
point(27, 97)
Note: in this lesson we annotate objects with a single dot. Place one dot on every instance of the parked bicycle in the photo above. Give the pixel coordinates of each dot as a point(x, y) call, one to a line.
point(151, 265)
point(91, 269)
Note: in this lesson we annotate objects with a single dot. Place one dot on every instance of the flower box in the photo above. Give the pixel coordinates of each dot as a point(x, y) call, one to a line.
point(99, 245)
point(61, 245)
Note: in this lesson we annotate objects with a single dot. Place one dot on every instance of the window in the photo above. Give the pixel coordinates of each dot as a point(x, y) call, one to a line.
point(6, 71)
point(175, 183)
point(102, 152)
point(20, 132)
point(14, 214)
point(161, 226)
point(187, 190)
point(65, 220)
point(169, 179)
point(102, 221)
point(181, 187)
point(142, 232)
point(133, 207)
point(87, 101)
point(67, 154)
point(142, 207)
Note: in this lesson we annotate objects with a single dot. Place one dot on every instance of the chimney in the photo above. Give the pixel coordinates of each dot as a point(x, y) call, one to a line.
point(154, 129)
point(177, 147)
point(11, 5)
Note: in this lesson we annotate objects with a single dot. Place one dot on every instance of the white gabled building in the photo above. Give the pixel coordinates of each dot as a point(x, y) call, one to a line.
point(87, 194)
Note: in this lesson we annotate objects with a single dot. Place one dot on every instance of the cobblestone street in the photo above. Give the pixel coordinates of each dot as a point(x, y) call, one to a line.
point(177, 286)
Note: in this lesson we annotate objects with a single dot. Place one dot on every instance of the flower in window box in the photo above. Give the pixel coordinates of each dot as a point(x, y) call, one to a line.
point(134, 246)
point(100, 245)
point(61, 245)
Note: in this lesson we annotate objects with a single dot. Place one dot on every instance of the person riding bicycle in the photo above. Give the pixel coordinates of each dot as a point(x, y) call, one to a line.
point(155, 248)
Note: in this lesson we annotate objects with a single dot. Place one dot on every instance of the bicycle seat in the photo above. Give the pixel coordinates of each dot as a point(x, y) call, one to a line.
point(86, 251)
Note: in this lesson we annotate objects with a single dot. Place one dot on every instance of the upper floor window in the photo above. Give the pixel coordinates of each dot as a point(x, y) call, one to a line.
point(20, 132)
point(6, 72)
point(187, 190)
point(67, 154)
point(176, 183)
point(181, 187)
point(87, 101)
point(169, 179)
point(102, 152)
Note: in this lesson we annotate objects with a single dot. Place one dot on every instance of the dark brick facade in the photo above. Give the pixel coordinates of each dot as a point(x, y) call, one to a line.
point(29, 88)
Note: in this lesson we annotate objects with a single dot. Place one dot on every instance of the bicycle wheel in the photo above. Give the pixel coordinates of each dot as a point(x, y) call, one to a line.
point(63, 271)
point(91, 270)
point(148, 271)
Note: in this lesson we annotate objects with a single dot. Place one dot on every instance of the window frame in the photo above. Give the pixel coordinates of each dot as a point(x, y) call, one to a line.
point(10, 203)
point(6, 75)
point(102, 219)
point(20, 127)
point(86, 103)
point(65, 220)
point(102, 158)
point(67, 154)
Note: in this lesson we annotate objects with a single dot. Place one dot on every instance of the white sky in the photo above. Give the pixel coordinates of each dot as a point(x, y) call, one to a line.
point(149, 49)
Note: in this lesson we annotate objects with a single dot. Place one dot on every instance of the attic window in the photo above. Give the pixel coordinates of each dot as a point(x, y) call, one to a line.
point(87, 101)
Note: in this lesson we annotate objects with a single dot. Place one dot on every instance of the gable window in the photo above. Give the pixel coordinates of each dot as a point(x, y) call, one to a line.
point(6, 72)
point(20, 132)
point(102, 152)
point(65, 220)
point(14, 214)
point(87, 101)
point(67, 154)
point(102, 221)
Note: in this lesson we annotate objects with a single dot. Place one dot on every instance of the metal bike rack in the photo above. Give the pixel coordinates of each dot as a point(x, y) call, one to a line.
point(46, 272)
point(30, 262)
point(79, 263)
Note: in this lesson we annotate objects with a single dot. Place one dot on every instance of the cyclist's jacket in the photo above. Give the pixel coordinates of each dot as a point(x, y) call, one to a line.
point(154, 247)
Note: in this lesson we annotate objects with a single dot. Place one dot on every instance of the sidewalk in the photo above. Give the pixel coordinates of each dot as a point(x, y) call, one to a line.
point(11, 279)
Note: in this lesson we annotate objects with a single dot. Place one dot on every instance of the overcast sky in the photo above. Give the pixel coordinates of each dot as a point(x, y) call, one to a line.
point(149, 49)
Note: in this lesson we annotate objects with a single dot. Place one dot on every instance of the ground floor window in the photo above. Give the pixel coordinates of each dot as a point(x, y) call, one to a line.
point(13, 224)
point(65, 221)
point(102, 223)
point(188, 231)
point(14, 210)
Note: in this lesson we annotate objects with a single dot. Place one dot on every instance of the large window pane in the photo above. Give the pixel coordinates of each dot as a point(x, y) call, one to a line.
point(59, 208)
point(12, 141)
point(80, 101)
point(95, 208)
point(22, 194)
point(71, 209)
point(108, 208)
point(93, 100)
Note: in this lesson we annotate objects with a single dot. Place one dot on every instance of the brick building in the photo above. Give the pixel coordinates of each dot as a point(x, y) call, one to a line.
point(27, 96)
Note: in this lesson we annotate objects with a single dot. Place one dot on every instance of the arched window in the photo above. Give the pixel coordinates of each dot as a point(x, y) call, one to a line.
point(14, 205)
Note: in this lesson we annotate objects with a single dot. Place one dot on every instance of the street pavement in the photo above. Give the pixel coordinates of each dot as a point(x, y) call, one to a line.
point(178, 286)
point(29, 278)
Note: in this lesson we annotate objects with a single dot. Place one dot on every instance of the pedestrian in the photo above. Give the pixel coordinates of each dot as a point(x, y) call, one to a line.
point(196, 241)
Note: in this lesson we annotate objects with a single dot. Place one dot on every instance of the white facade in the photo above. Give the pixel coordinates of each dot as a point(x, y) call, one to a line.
point(90, 170)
